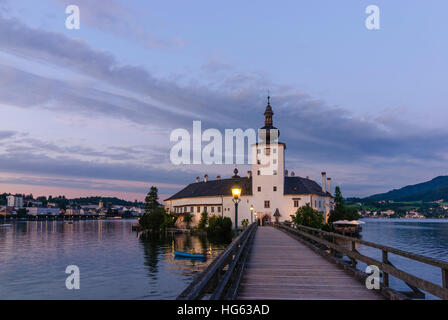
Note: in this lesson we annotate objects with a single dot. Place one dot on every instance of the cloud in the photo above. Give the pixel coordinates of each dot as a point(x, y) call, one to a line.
point(315, 131)
point(118, 20)
point(5, 134)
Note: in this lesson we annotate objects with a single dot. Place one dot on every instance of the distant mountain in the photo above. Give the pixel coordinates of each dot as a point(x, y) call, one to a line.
point(433, 190)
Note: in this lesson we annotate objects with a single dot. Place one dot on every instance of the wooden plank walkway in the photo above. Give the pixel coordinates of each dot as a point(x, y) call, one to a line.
point(280, 267)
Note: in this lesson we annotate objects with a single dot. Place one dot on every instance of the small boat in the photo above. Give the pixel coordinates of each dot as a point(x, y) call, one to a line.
point(189, 255)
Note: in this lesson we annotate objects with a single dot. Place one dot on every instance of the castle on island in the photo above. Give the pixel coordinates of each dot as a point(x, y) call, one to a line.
point(273, 196)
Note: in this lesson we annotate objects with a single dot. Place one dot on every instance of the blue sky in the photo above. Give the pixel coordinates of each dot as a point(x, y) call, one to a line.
point(90, 111)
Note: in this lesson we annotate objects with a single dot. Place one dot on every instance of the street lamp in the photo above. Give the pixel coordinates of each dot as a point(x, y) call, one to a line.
point(251, 214)
point(236, 193)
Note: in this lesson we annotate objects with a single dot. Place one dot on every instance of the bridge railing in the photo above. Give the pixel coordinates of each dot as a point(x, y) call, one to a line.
point(328, 240)
point(221, 279)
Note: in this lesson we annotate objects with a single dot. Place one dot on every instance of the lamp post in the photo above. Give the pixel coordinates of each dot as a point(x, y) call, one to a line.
point(251, 214)
point(236, 193)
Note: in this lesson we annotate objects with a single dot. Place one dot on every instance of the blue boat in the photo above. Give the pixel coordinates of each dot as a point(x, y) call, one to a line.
point(189, 255)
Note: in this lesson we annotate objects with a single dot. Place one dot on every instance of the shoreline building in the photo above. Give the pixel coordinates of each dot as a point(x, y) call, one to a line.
point(269, 190)
point(14, 202)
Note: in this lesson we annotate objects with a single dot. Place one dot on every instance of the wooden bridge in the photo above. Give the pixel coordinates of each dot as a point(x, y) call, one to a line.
point(285, 262)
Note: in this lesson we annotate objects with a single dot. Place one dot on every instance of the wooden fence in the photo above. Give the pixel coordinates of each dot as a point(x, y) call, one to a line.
point(327, 240)
point(221, 279)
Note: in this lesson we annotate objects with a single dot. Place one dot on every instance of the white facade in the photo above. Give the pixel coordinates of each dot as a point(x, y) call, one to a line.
point(35, 211)
point(15, 202)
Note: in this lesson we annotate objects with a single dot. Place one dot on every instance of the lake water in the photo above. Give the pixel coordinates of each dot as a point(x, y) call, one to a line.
point(113, 262)
point(427, 237)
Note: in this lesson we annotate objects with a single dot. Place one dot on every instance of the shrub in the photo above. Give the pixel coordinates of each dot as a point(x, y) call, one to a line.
point(219, 228)
point(203, 221)
point(308, 217)
point(170, 220)
point(153, 220)
point(187, 218)
point(341, 211)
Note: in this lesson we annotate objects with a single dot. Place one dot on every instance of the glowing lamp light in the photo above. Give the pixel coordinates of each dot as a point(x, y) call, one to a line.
point(236, 192)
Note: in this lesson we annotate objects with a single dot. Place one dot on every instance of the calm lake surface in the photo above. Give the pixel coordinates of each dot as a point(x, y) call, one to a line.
point(427, 237)
point(113, 262)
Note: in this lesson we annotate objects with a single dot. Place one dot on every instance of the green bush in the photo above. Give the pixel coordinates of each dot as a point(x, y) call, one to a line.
point(341, 211)
point(203, 221)
point(245, 223)
point(187, 218)
point(219, 228)
point(170, 220)
point(308, 217)
point(153, 220)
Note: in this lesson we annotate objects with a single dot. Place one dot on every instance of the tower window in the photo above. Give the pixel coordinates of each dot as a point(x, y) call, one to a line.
point(267, 204)
point(296, 203)
point(259, 189)
point(275, 188)
point(274, 172)
point(258, 172)
point(191, 209)
point(274, 150)
point(267, 151)
point(258, 161)
point(199, 209)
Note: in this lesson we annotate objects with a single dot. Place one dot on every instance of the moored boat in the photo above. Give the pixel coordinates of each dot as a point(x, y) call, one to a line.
point(189, 255)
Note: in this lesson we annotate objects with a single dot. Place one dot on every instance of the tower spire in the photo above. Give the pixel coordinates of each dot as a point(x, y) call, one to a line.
point(268, 121)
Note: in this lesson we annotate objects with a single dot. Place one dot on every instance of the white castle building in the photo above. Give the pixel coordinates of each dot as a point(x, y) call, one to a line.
point(273, 195)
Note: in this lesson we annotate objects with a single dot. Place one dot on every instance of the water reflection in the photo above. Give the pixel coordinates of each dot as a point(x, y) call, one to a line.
point(426, 237)
point(114, 263)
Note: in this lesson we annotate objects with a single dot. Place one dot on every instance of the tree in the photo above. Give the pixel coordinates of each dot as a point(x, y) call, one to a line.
point(341, 211)
point(308, 217)
point(245, 223)
point(155, 220)
point(155, 217)
point(203, 221)
point(188, 218)
point(151, 200)
point(170, 220)
point(219, 228)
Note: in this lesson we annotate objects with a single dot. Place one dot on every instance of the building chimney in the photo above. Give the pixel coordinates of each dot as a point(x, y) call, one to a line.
point(292, 174)
point(218, 177)
point(324, 182)
point(249, 174)
point(329, 185)
point(286, 173)
point(197, 179)
point(205, 177)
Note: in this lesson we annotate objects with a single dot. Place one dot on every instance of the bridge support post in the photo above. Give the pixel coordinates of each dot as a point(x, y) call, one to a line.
point(385, 274)
point(354, 263)
point(445, 278)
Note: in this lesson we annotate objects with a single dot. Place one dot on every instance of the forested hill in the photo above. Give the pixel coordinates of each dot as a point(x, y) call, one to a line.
point(432, 190)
